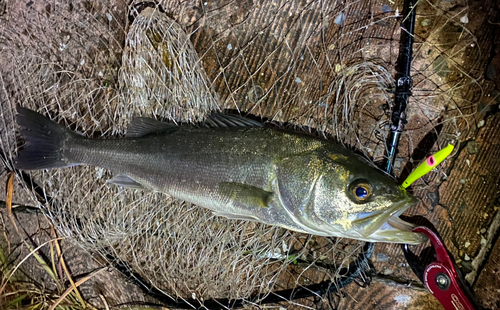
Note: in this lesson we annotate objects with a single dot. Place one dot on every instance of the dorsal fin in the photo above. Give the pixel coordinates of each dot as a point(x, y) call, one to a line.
point(219, 120)
point(142, 126)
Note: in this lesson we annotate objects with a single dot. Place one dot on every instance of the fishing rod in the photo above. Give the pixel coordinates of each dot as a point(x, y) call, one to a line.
point(404, 81)
point(403, 88)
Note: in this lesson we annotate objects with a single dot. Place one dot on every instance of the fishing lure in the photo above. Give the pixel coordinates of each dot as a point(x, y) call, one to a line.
point(426, 166)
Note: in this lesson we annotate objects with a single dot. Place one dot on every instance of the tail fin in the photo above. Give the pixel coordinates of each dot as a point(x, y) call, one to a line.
point(43, 147)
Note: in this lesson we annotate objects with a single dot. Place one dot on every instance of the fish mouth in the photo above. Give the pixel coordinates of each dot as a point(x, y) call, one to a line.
point(387, 226)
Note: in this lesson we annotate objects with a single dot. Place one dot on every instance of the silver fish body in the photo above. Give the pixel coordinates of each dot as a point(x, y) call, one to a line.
point(247, 172)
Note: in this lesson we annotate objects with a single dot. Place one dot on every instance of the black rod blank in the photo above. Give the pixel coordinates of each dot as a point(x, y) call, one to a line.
point(404, 81)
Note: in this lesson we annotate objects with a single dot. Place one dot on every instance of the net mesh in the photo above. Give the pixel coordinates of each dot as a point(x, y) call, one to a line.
point(326, 67)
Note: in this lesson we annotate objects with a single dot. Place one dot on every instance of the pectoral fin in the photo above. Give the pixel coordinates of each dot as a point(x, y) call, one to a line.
point(126, 181)
point(244, 194)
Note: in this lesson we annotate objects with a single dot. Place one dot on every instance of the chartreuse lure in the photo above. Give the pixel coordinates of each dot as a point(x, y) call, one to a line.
point(425, 167)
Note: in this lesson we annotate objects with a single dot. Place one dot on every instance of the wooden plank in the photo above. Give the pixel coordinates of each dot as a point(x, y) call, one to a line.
point(384, 296)
point(487, 287)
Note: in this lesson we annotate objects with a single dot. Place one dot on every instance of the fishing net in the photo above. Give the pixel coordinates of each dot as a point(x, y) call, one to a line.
point(325, 67)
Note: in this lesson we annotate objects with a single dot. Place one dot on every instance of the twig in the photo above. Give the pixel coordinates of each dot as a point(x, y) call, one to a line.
point(16, 208)
point(8, 200)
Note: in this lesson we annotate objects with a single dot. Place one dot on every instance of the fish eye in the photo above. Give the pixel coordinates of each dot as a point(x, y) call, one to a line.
point(361, 190)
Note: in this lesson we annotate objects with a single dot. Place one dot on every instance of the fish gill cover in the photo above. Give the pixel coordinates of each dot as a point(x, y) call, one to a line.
point(322, 67)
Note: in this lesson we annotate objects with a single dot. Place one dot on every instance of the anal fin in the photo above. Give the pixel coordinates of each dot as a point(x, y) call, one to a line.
point(126, 181)
point(232, 216)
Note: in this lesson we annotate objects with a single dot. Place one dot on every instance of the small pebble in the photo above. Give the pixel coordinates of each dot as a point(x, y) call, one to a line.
point(381, 257)
point(467, 244)
point(441, 68)
point(466, 257)
point(472, 147)
point(426, 22)
point(387, 271)
point(467, 266)
point(433, 197)
point(386, 8)
point(398, 163)
point(480, 124)
point(340, 19)
point(229, 46)
point(483, 230)
point(464, 19)
point(483, 241)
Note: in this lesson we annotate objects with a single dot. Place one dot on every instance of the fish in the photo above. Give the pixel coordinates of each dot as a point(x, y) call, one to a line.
point(238, 168)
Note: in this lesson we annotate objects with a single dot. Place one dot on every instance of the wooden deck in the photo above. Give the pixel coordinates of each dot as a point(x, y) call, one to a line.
point(463, 206)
